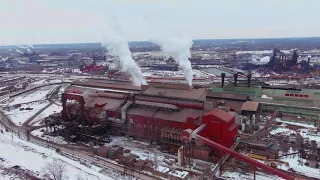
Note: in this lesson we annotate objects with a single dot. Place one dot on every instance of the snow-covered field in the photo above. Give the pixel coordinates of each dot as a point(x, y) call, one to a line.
point(19, 117)
point(33, 157)
point(36, 95)
point(47, 112)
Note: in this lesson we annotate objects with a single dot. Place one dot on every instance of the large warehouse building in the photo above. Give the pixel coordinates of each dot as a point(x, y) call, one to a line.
point(158, 113)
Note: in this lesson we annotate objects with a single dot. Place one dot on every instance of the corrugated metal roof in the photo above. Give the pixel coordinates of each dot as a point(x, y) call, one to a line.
point(221, 114)
point(188, 94)
point(219, 95)
point(250, 106)
point(154, 104)
point(112, 104)
point(179, 116)
point(236, 105)
point(99, 84)
point(141, 111)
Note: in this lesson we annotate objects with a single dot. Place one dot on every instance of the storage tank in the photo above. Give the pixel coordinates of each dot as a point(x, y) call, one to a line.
point(243, 127)
point(126, 152)
point(180, 156)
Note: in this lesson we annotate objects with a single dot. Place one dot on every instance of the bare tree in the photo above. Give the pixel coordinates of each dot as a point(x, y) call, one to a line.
point(57, 169)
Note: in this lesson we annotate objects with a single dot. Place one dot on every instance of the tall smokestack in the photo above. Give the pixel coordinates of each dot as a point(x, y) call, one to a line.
point(223, 75)
point(235, 76)
point(309, 58)
point(249, 79)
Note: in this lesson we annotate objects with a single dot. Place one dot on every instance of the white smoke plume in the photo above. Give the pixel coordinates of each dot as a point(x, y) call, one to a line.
point(118, 45)
point(260, 61)
point(22, 47)
point(30, 46)
point(179, 49)
point(28, 50)
point(18, 51)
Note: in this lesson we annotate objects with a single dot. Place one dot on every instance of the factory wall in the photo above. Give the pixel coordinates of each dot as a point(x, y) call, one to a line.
point(149, 128)
point(219, 130)
point(142, 127)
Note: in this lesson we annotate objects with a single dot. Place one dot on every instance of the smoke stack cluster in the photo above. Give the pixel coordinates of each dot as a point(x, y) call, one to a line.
point(223, 75)
point(235, 76)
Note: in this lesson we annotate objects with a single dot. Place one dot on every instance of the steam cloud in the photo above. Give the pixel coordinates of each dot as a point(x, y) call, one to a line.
point(26, 47)
point(18, 51)
point(30, 46)
point(179, 49)
point(118, 46)
point(258, 60)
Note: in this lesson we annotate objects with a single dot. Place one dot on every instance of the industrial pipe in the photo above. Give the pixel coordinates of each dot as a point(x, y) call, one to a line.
point(170, 106)
point(243, 157)
point(124, 110)
point(223, 75)
point(235, 76)
point(111, 95)
point(195, 134)
point(249, 79)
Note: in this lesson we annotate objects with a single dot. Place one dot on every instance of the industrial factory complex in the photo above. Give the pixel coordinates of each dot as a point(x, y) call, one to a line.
point(235, 123)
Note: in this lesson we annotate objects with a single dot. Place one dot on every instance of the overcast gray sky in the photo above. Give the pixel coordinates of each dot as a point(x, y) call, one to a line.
point(71, 21)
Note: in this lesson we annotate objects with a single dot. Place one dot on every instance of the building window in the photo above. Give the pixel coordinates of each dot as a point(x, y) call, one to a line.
point(287, 94)
point(291, 94)
point(145, 126)
point(306, 96)
point(301, 95)
point(296, 95)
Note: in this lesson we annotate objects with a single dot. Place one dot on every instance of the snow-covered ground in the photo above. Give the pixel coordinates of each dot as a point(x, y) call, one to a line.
point(295, 123)
point(39, 82)
point(238, 176)
point(266, 97)
point(54, 81)
point(305, 133)
point(300, 167)
point(35, 95)
point(57, 139)
point(138, 148)
point(145, 151)
point(47, 112)
point(281, 130)
point(33, 157)
point(19, 117)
